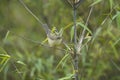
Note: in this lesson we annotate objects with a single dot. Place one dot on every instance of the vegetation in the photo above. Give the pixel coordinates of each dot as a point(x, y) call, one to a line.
point(26, 55)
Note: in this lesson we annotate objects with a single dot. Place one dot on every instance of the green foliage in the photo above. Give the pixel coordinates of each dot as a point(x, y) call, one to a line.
point(21, 36)
point(118, 19)
point(4, 57)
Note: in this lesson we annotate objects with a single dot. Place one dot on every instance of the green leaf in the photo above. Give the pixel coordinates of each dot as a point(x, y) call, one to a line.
point(68, 77)
point(118, 19)
point(116, 53)
point(4, 57)
point(65, 57)
point(6, 35)
point(84, 26)
point(22, 63)
point(96, 2)
point(116, 42)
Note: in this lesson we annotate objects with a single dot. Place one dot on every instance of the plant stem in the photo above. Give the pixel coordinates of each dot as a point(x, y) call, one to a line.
point(75, 30)
point(75, 57)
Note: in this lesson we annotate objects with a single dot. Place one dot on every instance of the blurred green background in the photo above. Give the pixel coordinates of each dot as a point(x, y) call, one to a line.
point(99, 59)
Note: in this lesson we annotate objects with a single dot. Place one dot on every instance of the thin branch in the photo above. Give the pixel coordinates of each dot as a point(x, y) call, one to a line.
point(106, 17)
point(111, 60)
point(21, 1)
point(116, 66)
point(18, 71)
point(75, 57)
point(83, 33)
point(36, 42)
point(75, 30)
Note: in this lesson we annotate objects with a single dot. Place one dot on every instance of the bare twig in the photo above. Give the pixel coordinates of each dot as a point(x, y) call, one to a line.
point(83, 33)
point(36, 42)
point(106, 17)
point(18, 71)
point(75, 4)
point(75, 57)
point(21, 1)
point(78, 46)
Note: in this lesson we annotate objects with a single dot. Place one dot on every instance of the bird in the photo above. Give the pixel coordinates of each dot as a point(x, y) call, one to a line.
point(54, 36)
